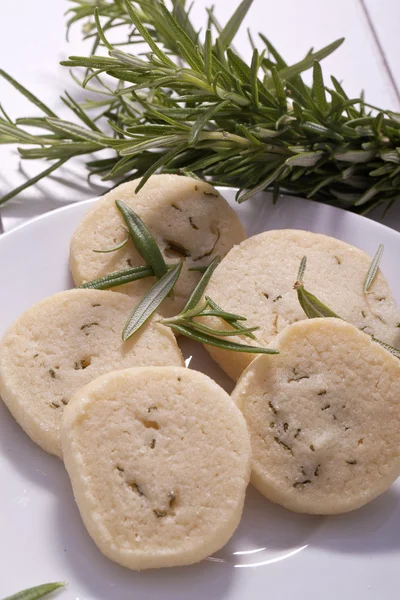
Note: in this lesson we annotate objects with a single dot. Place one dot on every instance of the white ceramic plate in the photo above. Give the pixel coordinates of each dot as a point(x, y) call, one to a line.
point(274, 554)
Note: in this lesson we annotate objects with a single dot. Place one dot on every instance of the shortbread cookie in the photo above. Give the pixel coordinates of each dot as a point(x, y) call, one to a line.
point(324, 418)
point(62, 343)
point(256, 281)
point(159, 460)
point(188, 218)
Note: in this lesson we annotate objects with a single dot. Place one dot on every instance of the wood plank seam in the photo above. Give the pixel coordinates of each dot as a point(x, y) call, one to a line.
point(380, 49)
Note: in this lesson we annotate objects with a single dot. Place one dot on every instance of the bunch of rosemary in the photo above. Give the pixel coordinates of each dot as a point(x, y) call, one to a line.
point(191, 104)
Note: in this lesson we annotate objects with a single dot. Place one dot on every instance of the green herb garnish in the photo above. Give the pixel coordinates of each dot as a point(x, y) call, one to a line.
point(144, 242)
point(373, 269)
point(114, 248)
point(151, 301)
point(119, 278)
point(192, 105)
point(314, 308)
point(35, 593)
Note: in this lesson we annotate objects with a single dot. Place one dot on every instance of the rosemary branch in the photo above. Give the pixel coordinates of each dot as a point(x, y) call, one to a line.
point(192, 104)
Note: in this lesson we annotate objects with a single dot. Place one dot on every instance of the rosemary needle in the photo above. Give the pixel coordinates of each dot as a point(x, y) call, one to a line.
point(35, 593)
point(373, 269)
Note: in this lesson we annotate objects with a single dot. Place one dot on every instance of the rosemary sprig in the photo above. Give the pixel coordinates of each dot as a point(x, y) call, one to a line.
point(373, 269)
point(35, 593)
point(187, 322)
point(314, 308)
point(193, 105)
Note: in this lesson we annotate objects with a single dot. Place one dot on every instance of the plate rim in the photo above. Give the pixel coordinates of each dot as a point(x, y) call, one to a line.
point(223, 189)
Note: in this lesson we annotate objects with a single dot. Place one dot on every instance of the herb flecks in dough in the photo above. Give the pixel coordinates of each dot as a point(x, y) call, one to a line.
point(300, 484)
point(285, 446)
point(136, 488)
point(272, 407)
point(297, 376)
point(192, 223)
point(173, 248)
point(88, 326)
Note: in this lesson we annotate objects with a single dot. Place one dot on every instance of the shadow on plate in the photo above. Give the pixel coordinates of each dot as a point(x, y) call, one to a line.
point(372, 529)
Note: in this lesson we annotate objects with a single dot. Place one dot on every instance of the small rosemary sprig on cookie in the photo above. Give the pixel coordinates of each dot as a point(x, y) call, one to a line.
point(314, 308)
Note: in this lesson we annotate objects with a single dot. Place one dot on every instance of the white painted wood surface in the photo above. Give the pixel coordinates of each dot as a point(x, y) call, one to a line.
point(32, 42)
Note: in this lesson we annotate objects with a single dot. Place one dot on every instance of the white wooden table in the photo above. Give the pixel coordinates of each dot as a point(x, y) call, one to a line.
point(32, 42)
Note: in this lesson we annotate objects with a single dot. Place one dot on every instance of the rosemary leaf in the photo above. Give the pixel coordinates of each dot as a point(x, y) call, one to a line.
point(373, 269)
point(119, 278)
point(198, 291)
point(205, 338)
point(115, 248)
point(142, 239)
point(31, 97)
point(391, 349)
point(229, 31)
point(313, 307)
point(151, 301)
point(35, 593)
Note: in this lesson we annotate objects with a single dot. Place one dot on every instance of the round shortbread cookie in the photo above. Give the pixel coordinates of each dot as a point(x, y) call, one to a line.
point(324, 418)
point(188, 218)
point(159, 460)
point(256, 281)
point(62, 343)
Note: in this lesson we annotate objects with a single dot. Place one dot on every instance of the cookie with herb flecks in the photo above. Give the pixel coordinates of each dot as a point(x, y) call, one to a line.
point(256, 281)
point(189, 219)
point(62, 343)
point(324, 418)
point(159, 460)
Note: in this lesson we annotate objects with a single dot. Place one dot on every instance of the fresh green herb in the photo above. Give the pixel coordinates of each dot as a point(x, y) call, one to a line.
point(115, 248)
point(373, 269)
point(151, 301)
point(119, 278)
point(143, 241)
point(187, 322)
point(35, 593)
point(314, 308)
point(392, 349)
point(192, 105)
